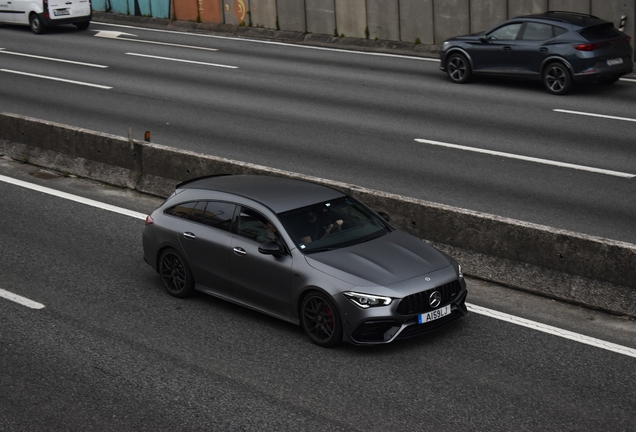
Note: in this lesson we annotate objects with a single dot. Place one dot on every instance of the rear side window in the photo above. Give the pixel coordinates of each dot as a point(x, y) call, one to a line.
point(218, 215)
point(182, 210)
point(212, 213)
point(600, 31)
point(538, 32)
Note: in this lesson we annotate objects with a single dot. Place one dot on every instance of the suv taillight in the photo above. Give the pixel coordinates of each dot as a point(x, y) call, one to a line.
point(586, 47)
point(149, 220)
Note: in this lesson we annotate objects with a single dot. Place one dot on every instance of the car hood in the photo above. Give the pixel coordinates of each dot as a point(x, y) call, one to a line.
point(468, 37)
point(384, 261)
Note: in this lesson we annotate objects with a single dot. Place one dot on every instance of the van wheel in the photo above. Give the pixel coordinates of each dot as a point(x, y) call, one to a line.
point(36, 24)
point(82, 25)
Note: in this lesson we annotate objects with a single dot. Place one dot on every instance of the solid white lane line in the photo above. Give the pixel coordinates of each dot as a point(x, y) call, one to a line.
point(269, 42)
point(116, 35)
point(553, 330)
point(530, 159)
point(182, 61)
point(20, 300)
point(628, 80)
point(595, 115)
point(52, 59)
point(56, 79)
point(473, 308)
point(72, 197)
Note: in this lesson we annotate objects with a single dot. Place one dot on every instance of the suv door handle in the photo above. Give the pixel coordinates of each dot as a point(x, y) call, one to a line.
point(189, 235)
point(507, 48)
point(543, 49)
point(240, 251)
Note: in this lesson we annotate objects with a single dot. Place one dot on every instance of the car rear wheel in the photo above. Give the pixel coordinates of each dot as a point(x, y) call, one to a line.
point(320, 320)
point(458, 68)
point(557, 79)
point(82, 25)
point(36, 24)
point(175, 274)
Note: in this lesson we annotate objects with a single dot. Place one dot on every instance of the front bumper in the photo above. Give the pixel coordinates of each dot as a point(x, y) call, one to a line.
point(374, 330)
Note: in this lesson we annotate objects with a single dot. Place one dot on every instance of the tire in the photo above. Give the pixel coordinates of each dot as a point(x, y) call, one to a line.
point(320, 320)
point(82, 25)
point(175, 274)
point(458, 68)
point(557, 79)
point(37, 26)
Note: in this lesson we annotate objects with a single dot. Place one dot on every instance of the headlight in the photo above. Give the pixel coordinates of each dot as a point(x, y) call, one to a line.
point(445, 44)
point(461, 275)
point(367, 300)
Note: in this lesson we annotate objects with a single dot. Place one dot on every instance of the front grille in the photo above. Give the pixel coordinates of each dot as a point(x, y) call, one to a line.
point(419, 303)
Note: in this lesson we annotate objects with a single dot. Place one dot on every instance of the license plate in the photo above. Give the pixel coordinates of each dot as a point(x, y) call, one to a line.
point(61, 12)
point(433, 315)
point(614, 62)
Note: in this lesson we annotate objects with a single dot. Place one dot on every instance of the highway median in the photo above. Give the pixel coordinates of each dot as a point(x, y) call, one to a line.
point(591, 271)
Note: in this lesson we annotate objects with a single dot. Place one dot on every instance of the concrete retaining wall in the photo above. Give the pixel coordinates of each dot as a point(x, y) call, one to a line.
point(591, 271)
point(428, 21)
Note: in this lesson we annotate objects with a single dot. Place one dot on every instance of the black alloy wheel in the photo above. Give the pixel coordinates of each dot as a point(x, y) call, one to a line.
point(320, 320)
point(458, 68)
point(175, 274)
point(557, 79)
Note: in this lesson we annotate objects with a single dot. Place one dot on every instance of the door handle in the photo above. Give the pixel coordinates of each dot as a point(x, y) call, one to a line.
point(189, 235)
point(507, 48)
point(543, 49)
point(240, 251)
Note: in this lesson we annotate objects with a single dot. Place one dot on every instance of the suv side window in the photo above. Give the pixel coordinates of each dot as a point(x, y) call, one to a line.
point(537, 32)
point(507, 32)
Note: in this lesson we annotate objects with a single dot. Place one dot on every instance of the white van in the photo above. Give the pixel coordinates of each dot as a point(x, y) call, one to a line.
point(40, 14)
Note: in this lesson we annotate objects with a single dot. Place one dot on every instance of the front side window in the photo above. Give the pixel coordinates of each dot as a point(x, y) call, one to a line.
point(254, 226)
point(507, 32)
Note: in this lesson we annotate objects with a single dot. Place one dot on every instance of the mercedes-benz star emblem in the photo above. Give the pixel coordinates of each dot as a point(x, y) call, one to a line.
point(435, 299)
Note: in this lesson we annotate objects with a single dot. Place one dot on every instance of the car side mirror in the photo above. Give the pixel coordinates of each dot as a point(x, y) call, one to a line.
point(384, 216)
point(483, 38)
point(269, 248)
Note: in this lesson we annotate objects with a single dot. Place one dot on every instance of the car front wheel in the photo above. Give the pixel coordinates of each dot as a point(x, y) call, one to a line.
point(320, 320)
point(458, 68)
point(557, 79)
point(36, 24)
point(175, 274)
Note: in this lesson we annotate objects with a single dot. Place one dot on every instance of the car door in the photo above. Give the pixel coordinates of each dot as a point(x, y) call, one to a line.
point(261, 280)
point(493, 54)
point(533, 46)
point(7, 14)
point(205, 238)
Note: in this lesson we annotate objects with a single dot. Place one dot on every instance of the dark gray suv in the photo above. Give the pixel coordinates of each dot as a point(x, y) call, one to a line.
point(558, 48)
point(304, 253)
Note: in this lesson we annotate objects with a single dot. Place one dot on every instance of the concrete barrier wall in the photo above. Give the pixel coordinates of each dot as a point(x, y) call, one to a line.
point(416, 21)
point(427, 21)
point(587, 270)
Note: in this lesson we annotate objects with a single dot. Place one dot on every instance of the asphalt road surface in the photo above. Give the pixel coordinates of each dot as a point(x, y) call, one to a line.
point(95, 343)
point(390, 123)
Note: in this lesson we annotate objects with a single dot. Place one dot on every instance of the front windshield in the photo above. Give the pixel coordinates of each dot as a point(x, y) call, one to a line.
point(332, 224)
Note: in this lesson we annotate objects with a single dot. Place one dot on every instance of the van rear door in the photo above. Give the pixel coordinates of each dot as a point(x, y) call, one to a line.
point(64, 9)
